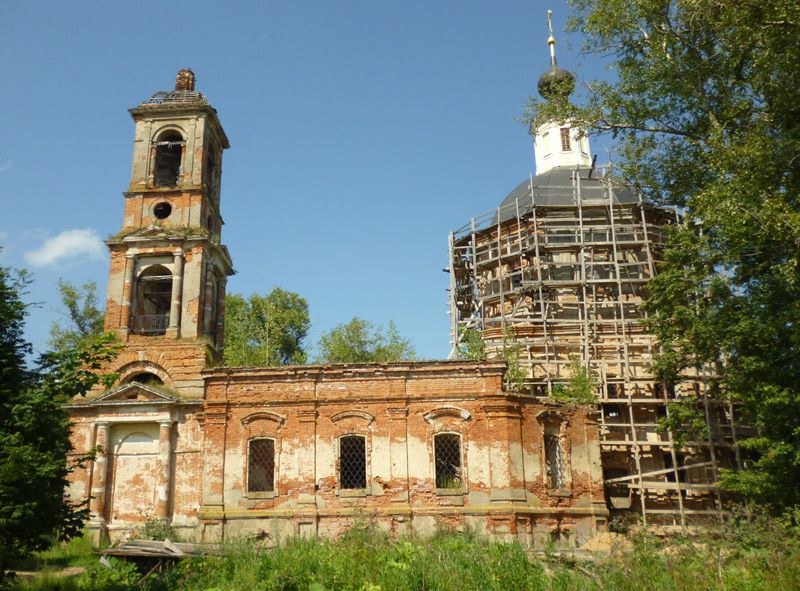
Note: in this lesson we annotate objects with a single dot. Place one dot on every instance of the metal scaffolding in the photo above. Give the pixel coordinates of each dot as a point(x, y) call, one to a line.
point(560, 269)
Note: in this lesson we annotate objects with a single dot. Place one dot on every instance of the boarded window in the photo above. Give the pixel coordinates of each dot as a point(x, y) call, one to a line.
point(261, 466)
point(352, 462)
point(555, 461)
point(566, 145)
point(447, 459)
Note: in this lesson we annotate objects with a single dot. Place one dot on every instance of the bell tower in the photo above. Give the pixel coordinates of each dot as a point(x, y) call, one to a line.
point(166, 287)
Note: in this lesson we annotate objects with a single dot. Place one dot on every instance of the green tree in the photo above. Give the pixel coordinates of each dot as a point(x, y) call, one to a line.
point(516, 377)
point(34, 430)
point(581, 385)
point(266, 330)
point(471, 344)
point(85, 317)
point(705, 115)
point(360, 341)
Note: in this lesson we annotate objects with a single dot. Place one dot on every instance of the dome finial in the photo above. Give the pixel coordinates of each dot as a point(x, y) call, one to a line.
point(555, 82)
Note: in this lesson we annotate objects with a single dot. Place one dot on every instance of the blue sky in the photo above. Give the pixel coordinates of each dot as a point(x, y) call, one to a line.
point(361, 134)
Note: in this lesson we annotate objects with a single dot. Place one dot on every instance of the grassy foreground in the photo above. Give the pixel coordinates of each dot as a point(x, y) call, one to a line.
point(761, 556)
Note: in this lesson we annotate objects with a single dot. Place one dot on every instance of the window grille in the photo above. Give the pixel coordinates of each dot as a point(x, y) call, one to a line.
point(554, 460)
point(261, 466)
point(447, 460)
point(352, 462)
point(566, 145)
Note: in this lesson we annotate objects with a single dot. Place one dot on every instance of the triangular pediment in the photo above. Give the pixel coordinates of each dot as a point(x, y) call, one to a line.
point(133, 392)
point(148, 232)
point(153, 232)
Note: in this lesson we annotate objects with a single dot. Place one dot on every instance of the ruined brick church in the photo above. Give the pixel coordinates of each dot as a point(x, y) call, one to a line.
point(220, 452)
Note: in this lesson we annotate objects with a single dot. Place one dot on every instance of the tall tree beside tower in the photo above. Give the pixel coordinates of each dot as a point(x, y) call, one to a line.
point(34, 430)
point(705, 116)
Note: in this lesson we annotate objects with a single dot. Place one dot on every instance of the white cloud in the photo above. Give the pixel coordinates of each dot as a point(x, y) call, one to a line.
point(83, 243)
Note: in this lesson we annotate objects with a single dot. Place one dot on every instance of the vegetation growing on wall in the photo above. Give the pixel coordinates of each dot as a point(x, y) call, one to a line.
point(471, 344)
point(581, 386)
point(516, 378)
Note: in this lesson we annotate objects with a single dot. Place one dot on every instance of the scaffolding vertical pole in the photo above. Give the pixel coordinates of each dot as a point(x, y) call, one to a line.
point(583, 312)
point(452, 299)
point(711, 448)
point(635, 442)
point(475, 282)
point(542, 306)
point(500, 277)
point(674, 457)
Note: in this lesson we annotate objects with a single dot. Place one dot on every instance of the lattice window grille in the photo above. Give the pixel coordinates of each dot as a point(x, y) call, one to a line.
point(447, 459)
point(554, 460)
point(261, 466)
point(352, 462)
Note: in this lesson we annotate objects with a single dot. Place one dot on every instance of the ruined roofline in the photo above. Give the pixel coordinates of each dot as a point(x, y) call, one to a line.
point(148, 109)
point(361, 369)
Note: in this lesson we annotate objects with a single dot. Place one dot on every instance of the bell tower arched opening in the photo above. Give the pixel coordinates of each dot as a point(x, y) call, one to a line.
point(168, 156)
point(151, 305)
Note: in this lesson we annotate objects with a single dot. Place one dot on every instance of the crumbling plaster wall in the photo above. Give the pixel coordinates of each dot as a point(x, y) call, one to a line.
point(138, 480)
point(191, 126)
point(162, 252)
point(398, 409)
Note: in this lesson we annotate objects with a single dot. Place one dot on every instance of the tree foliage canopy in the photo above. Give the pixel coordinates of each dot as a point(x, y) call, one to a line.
point(360, 341)
point(706, 117)
point(85, 317)
point(266, 330)
point(34, 430)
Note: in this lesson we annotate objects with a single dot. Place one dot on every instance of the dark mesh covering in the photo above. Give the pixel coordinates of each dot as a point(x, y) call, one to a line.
point(261, 466)
point(447, 453)
point(352, 462)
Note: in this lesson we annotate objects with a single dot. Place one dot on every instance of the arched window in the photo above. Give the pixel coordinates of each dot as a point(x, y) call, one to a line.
point(447, 460)
point(169, 149)
point(146, 378)
point(261, 465)
point(152, 301)
point(556, 463)
point(212, 165)
point(352, 462)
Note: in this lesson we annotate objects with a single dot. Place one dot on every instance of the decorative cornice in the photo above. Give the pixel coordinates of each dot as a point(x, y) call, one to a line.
point(446, 411)
point(264, 415)
point(348, 414)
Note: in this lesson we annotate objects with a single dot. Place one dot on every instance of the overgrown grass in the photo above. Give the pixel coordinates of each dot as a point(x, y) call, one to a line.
point(76, 552)
point(744, 556)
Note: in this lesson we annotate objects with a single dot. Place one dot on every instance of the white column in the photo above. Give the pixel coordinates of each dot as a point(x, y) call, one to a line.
point(127, 295)
point(177, 295)
point(163, 470)
point(97, 501)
